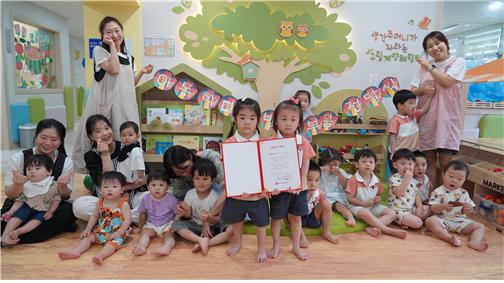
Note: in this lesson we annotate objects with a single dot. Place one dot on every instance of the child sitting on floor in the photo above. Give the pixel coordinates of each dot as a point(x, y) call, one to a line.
point(38, 201)
point(109, 225)
point(157, 212)
point(450, 204)
point(333, 182)
point(364, 195)
point(201, 228)
point(424, 184)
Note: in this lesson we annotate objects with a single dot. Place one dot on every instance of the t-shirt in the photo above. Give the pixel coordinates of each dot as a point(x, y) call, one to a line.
point(198, 205)
point(16, 162)
point(159, 212)
point(132, 164)
point(442, 195)
point(362, 191)
point(407, 200)
point(331, 186)
point(313, 199)
point(406, 130)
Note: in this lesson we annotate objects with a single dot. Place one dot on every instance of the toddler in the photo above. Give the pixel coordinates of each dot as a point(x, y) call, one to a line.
point(304, 98)
point(424, 185)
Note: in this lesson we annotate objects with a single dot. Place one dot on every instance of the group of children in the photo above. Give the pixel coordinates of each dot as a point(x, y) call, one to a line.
point(326, 188)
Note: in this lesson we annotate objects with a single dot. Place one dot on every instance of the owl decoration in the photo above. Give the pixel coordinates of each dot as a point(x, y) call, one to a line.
point(302, 31)
point(286, 29)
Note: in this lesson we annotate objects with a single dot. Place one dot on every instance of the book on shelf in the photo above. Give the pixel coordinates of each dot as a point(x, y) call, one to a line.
point(196, 115)
point(192, 142)
point(173, 115)
point(211, 143)
point(152, 139)
point(162, 146)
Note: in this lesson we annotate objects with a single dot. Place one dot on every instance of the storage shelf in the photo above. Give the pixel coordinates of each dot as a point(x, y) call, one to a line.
point(186, 129)
point(351, 134)
point(359, 126)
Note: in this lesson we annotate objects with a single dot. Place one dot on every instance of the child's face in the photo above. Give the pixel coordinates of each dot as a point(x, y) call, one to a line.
point(420, 167)
point(158, 188)
point(304, 102)
point(246, 121)
point(454, 179)
point(102, 132)
point(128, 136)
point(287, 122)
point(111, 189)
point(313, 180)
point(402, 165)
point(407, 107)
point(202, 183)
point(333, 164)
point(37, 173)
point(365, 165)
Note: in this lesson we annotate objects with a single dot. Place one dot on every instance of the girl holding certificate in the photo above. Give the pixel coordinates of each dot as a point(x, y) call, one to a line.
point(288, 122)
point(246, 115)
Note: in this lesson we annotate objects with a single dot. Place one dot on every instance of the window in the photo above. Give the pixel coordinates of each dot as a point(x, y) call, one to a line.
point(35, 52)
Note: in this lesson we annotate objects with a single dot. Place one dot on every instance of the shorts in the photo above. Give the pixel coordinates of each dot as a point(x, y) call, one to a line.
point(235, 210)
point(27, 213)
point(285, 202)
point(454, 224)
point(159, 230)
point(376, 210)
point(195, 227)
point(401, 213)
point(310, 221)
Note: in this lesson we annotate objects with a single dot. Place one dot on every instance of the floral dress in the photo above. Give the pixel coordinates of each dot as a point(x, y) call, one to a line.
point(109, 221)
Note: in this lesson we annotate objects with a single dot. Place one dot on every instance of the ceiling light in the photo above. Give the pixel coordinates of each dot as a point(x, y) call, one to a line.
point(495, 6)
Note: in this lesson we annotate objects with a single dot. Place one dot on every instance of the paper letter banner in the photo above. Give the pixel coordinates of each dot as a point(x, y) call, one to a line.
point(266, 121)
point(352, 106)
point(371, 97)
point(327, 120)
point(226, 105)
point(185, 89)
point(389, 86)
point(164, 79)
point(208, 98)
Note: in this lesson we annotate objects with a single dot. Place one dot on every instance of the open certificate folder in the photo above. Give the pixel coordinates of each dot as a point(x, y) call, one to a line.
point(254, 167)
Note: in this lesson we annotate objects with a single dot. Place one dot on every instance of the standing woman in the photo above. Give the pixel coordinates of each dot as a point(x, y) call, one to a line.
point(50, 141)
point(441, 126)
point(113, 87)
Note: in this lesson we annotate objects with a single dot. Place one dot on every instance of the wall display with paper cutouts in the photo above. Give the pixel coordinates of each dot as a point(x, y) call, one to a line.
point(208, 98)
point(266, 121)
point(278, 43)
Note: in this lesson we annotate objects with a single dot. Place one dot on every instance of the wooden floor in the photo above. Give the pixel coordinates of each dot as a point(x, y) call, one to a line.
point(358, 256)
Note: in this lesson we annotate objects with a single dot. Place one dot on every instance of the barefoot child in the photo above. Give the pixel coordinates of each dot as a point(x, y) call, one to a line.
point(157, 212)
point(333, 182)
point(109, 225)
point(288, 122)
point(319, 209)
point(364, 195)
point(246, 115)
point(450, 204)
point(38, 201)
point(403, 191)
point(202, 229)
point(424, 185)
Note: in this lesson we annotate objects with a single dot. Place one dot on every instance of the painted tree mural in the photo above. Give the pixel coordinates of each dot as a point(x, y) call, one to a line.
point(268, 43)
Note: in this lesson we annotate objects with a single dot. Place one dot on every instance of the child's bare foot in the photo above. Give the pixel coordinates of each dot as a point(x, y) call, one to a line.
point(196, 248)
point(455, 241)
point(139, 250)
point(330, 237)
point(98, 260)
point(479, 246)
point(69, 254)
point(163, 250)
point(303, 242)
point(233, 250)
point(261, 255)
point(275, 250)
point(404, 227)
point(10, 239)
point(350, 222)
point(402, 234)
point(203, 243)
point(300, 254)
point(373, 231)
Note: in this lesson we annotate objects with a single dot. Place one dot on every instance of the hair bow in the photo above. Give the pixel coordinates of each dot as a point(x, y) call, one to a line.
point(293, 99)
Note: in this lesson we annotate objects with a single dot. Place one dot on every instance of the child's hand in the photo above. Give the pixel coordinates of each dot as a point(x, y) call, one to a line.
point(85, 233)
point(275, 192)
point(446, 206)
point(204, 217)
point(408, 174)
point(376, 200)
point(147, 69)
point(369, 203)
point(114, 235)
point(419, 211)
point(206, 232)
point(467, 208)
point(295, 191)
point(7, 216)
point(48, 215)
point(325, 169)
point(18, 178)
point(336, 171)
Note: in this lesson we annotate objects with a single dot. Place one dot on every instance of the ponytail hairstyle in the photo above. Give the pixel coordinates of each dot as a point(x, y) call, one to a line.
point(58, 126)
point(243, 103)
point(290, 104)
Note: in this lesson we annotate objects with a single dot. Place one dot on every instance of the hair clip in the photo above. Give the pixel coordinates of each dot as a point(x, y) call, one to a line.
point(243, 98)
point(293, 99)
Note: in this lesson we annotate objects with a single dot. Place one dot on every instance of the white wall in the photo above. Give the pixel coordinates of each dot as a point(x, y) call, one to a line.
point(364, 17)
point(78, 77)
point(45, 18)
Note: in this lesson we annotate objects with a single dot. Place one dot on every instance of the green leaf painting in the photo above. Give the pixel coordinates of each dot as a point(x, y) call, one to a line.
point(316, 91)
point(324, 85)
point(177, 10)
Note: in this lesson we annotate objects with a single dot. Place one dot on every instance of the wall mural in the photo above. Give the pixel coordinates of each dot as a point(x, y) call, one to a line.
point(268, 44)
point(35, 66)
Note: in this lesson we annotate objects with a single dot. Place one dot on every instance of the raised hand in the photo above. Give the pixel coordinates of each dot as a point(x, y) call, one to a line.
point(18, 178)
point(424, 63)
point(147, 69)
point(108, 40)
point(102, 148)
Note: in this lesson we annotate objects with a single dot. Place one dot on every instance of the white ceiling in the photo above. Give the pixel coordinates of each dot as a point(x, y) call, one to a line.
point(466, 15)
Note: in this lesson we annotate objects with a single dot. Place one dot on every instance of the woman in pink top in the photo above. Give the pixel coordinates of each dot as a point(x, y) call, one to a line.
point(440, 128)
